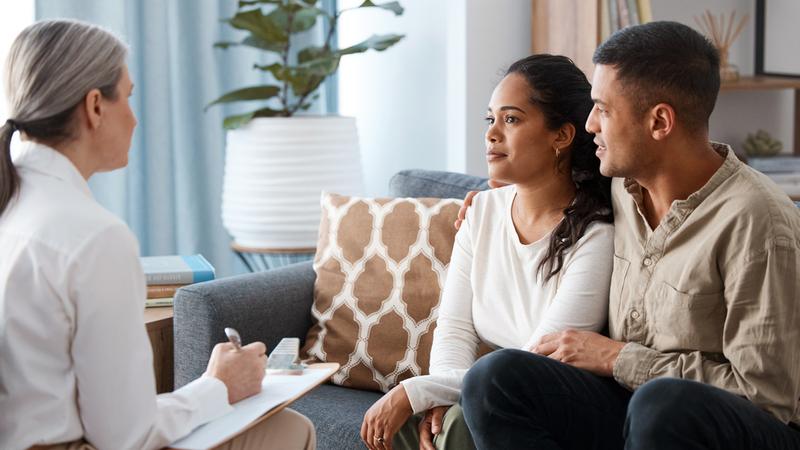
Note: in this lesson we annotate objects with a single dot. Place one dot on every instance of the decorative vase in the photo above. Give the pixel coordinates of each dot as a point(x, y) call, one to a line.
point(727, 71)
point(275, 170)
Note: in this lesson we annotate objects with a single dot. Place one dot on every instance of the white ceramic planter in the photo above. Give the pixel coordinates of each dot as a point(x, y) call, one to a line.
point(275, 170)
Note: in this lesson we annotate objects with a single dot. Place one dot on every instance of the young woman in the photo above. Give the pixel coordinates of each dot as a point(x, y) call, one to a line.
point(531, 258)
point(76, 368)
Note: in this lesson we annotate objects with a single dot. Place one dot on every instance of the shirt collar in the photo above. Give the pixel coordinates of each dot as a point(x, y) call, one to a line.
point(48, 161)
point(728, 167)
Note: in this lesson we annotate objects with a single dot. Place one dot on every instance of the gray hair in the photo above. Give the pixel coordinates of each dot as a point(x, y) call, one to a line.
point(51, 66)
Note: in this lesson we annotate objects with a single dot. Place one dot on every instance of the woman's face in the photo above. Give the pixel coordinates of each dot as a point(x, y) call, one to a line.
point(117, 126)
point(519, 146)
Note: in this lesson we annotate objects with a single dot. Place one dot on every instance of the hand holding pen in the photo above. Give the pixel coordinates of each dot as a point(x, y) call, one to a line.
point(240, 368)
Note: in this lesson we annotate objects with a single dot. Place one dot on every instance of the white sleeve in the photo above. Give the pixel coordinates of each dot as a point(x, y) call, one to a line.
point(581, 302)
point(113, 359)
point(455, 340)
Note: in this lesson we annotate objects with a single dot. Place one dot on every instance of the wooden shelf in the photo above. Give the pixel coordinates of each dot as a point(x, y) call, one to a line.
point(764, 82)
point(760, 83)
point(554, 26)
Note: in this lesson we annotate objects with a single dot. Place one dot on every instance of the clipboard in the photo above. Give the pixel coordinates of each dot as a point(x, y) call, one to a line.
point(317, 374)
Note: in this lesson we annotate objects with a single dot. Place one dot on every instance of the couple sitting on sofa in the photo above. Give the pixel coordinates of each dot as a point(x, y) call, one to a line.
point(700, 269)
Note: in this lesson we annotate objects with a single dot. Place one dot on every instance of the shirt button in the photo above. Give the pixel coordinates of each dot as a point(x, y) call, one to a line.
point(634, 314)
point(647, 261)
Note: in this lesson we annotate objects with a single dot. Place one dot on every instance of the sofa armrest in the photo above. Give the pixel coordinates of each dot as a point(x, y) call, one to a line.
point(263, 306)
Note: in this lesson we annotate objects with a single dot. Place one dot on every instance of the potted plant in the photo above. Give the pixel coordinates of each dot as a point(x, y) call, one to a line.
point(277, 160)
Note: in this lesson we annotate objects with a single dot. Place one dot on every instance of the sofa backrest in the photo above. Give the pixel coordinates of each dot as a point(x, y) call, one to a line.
point(432, 183)
point(438, 184)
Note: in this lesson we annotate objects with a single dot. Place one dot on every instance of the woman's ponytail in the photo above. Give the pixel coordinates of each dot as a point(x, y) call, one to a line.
point(9, 178)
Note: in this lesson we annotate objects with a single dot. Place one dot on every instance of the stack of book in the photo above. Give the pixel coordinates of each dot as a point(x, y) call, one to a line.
point(166, 274)
point(783, 170)
point(618, 14)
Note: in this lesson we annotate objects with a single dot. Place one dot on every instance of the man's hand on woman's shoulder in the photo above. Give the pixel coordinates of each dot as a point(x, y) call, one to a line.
point(462, 213)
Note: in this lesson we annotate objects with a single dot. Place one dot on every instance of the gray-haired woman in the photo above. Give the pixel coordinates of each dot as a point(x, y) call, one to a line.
point(75, 360)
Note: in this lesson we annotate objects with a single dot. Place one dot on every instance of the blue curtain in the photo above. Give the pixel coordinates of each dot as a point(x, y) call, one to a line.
point(170, 193)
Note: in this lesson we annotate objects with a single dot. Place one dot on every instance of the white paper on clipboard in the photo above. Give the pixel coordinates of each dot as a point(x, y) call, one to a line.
point(276, 389)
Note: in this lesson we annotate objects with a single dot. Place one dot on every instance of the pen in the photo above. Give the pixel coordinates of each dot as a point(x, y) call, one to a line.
point(234, 338)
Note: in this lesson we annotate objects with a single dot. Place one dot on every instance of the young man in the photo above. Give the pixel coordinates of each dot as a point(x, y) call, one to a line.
point(704, 317)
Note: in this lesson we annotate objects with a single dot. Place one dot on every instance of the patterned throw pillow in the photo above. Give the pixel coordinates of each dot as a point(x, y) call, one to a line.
point(381, 266)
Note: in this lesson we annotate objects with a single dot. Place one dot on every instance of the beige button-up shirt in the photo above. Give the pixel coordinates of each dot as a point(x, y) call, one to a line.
point(711, 294)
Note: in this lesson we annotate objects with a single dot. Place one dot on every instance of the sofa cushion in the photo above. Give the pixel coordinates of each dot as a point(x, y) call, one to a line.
point(381, 265)
point(337, 413)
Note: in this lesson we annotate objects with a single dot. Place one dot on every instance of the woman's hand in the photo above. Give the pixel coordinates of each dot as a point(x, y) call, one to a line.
point(385, 418)
point(430, 426)
point(241, 370)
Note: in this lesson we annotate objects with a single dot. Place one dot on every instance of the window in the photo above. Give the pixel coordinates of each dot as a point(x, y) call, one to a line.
point(16, 16)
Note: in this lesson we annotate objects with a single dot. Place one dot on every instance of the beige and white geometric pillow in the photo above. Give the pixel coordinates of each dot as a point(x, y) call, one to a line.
point(381, 266)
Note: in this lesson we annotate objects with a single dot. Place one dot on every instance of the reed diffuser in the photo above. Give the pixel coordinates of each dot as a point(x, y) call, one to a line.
point(722, 32)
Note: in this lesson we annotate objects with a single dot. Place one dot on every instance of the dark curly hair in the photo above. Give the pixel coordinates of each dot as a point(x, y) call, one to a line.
point(563, 94)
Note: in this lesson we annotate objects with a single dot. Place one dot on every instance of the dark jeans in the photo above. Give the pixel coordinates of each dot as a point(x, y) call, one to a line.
point(515, 399)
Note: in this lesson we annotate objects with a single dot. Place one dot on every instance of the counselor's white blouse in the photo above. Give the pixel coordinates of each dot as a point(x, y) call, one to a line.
point(75, 359)
point(492, 294)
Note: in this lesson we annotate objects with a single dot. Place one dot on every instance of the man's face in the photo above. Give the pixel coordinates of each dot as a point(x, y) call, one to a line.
point(620, 131)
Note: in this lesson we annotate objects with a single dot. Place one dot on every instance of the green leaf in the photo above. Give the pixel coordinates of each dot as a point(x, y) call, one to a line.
point(390, 6)
point(245, 3)
point(276, 69)
point(311, 53)
point(225, 44)
point(262, 27)
point(248, 93)
point(376, 42)
point(322, 66)
point(251, 41)
point(236, 121)
point(232, 122)
point(300, 80)
point(269, 112)
point(302, 18)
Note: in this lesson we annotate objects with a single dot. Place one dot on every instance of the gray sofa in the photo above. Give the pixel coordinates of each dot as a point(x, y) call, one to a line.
point(268, 306)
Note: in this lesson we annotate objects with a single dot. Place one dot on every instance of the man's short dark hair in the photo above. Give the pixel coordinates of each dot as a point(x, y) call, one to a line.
point(665, 62)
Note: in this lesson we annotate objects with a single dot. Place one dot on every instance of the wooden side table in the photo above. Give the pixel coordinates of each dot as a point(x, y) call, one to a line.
point(159, 328)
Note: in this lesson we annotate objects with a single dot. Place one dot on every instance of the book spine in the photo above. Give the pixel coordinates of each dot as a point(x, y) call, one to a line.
point(605, 25)
point(170, 278)
point(613, 16)
point(163, 290)
point(645, 11)
point(158, 302)
point(633, 12)
point(202, 270)
point(622, 14)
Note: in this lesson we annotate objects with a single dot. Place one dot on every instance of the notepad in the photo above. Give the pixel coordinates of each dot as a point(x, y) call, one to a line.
point(282, 360)
point(277, 392)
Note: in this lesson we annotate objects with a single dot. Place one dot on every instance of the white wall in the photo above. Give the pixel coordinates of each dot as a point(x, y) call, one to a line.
point(496, 33)
point(397, 96)
point(738, 113)
point(421, 103)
